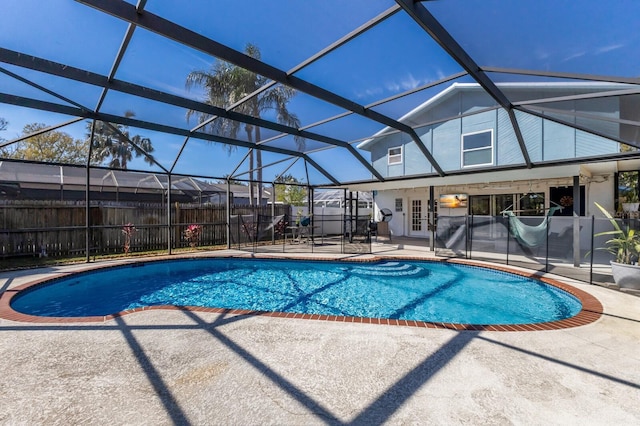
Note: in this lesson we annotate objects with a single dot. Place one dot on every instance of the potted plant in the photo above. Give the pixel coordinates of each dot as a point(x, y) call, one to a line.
point(624, 244)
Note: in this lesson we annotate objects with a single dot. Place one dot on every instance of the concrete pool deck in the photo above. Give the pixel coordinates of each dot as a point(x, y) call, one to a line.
point(181, 367)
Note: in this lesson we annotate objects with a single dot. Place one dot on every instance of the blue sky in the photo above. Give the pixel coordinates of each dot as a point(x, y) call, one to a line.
point(588, 37)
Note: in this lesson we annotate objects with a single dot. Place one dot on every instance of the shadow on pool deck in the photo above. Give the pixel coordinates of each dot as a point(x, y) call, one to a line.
point(255, 362)
point(184, 367)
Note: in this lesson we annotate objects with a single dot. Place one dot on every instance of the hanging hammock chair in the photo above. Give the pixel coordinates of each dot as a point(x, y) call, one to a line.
point(529, 235)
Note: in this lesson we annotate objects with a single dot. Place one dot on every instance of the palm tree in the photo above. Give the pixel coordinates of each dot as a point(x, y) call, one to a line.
point(225, 84)
point(114, 142)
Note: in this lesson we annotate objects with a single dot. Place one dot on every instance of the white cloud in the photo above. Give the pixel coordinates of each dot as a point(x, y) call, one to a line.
point(403, 84)
point(175, 90)
point(407, 83)
point(609, 48)
point(574, 56)
point(366, 93)
point(541, 54)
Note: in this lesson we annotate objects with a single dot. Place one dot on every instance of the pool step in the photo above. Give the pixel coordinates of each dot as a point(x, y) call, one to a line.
point(388, 269)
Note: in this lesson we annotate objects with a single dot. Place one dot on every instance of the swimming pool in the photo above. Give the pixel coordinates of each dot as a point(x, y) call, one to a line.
point(428, 291)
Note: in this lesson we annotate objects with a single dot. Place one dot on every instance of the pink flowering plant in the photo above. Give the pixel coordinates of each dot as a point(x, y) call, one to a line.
point(192, 234)
point(249, 229)
point(128, 230)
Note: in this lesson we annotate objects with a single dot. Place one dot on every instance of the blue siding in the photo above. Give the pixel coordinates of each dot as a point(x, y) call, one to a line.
point(479, 122)
point(415, 161)
point(558, 141)
point(446, 144)
point(588, 145)
point(545, 140)
point(507, 148)
point(380, 151)
point(476, 100)
point(531, 129)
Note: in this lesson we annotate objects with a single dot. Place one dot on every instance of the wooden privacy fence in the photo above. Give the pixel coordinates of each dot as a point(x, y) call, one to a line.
point(59, 228)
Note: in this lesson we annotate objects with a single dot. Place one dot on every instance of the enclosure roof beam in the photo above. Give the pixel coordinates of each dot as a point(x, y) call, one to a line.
point(41, 131)
point(121, 51)
point(116, 63)
point(286, 169)
point(173, 31)
point(41, 88)
point(42, 65)
point(320, 169)
point(580, 97)
point(333, 46)
point(564, 75)
point(263, 166)
point(140, 150)
point(430, 24)
point(128, 121)
point(68, 110)
point(576, 126)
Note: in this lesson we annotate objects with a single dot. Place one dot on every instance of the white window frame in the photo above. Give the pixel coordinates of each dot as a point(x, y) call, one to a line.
point(463, 151)
point(394, 156)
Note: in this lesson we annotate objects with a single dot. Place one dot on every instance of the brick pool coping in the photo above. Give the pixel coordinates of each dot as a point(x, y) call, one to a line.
point(591, 307)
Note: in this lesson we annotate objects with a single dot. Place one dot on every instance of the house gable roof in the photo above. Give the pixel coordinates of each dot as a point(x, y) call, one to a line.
point(457, 88)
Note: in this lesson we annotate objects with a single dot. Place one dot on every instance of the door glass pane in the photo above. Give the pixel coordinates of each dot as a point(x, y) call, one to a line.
point(628, 187)
point(416, 215)
point(502, 202)
point(532, 204)
point(480, 205)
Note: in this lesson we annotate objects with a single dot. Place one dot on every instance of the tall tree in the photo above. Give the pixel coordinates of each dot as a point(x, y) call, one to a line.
point(4, 152)
point(53, 146)
point(114, 144)
point(231, 181)
point(290, 190)
point(224, 84)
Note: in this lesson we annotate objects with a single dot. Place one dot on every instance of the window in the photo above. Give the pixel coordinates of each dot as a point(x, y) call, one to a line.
point(395, 155)
point(477, 148)
point(531, 204)
point(398, 204)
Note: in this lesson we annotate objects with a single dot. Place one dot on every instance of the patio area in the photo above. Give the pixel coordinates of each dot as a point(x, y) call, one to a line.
point(182, 367)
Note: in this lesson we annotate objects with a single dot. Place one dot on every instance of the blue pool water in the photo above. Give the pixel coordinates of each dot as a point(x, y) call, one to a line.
point(411, 290)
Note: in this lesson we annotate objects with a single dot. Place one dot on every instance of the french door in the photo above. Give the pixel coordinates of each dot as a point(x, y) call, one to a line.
point(418, 217)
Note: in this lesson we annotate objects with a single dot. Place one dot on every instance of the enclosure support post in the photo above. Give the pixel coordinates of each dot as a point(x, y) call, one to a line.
point(470, 237)
point(310, 213)
point(344, 220)
point(466, 236)
point(273, 212)
point(87, 239)
point(431, 223)
point(546, 247)
point(508, 236)
point(228, 214)
point(577, 202)
point(592, 248)
point(169, 214)
point(87, 197)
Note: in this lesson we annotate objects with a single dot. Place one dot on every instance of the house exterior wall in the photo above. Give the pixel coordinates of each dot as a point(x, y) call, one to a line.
point(598, 189)
point(545, 140)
